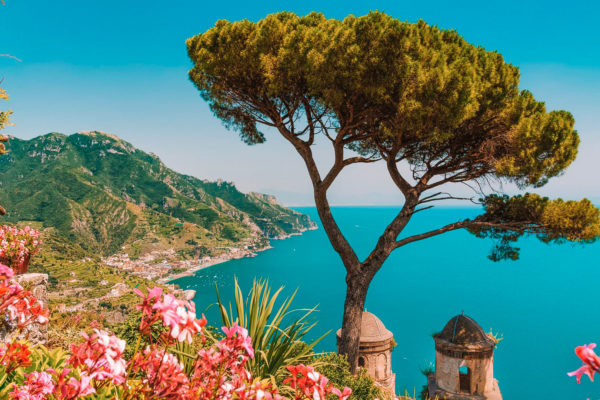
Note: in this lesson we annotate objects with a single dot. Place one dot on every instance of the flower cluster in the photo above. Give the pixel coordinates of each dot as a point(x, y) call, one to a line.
point(37, 386)
point(591, 362)
point(100, 357)
point(163, 374)
point(308, 383)
point(220, 371)
point(17, 245)
point(14, 355)
point(177, 315)
point(96, 366)
point(68, 386)
point(18, 307)
point(6, 273)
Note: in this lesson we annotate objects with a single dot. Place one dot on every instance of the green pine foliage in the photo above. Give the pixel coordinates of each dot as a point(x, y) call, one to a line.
point(556, 221)
point(400, 93)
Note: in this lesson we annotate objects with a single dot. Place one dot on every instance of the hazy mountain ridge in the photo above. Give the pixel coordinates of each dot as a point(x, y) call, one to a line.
point(103, 193)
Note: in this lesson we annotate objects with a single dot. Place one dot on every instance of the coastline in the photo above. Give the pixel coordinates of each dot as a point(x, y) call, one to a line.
point(240, 253)
point(300, 232)
point(213, 261)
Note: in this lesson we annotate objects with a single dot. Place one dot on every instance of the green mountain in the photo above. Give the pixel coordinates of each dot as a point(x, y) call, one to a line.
point(105, 195)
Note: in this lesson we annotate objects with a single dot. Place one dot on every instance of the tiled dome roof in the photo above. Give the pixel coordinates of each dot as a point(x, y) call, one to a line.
point(371, 329)
point(462, 330)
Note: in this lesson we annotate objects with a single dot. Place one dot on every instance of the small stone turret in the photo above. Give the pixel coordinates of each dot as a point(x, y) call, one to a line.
point(464, 363)
point(375, 352)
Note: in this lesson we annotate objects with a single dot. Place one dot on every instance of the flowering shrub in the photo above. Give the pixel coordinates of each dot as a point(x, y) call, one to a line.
point(13, 356)
point(100, 357)
point(37, 386)
point(18, 245)
point(308, 383)
point(96, 367)
point(177, 315)
point(18, 307)
point(164, 376)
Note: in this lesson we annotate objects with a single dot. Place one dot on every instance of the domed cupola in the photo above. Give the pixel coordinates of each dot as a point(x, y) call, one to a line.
point(375, 351)
point(464, 362)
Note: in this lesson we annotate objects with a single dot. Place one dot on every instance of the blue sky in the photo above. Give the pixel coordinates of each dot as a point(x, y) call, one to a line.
point(121, 67)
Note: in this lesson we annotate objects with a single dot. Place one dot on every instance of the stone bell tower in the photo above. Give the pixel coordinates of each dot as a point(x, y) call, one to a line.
point(375, 352)
point(464, 363)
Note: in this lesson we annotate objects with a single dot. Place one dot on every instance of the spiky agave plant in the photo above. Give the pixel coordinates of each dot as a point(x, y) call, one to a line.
point(277, 342)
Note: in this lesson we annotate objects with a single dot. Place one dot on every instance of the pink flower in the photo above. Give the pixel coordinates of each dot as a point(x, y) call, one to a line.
point(70, 387)
point(167, 309)
point(17, 244)
point(177, 315)
point(313, 376)
point(308, 383)
point(14, 355)
point(162, 374)
point(587, 355)
point(342, 395)
point(100, 357)
point(149, 299)
point(82, 385)
point(242, 335)
point(591, 362)
point(6, 272)
point(583, 370)
point(37, 386)
point(19, 305)
point(188, 325)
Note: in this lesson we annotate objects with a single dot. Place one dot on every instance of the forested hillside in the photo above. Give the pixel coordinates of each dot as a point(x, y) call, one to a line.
point(103, 194)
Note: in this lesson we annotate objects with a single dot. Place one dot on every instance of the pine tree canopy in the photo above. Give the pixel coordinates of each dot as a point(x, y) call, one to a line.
point(401, 93)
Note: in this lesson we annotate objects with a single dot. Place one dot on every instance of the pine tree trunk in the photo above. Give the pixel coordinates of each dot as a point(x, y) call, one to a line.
point(356, 294)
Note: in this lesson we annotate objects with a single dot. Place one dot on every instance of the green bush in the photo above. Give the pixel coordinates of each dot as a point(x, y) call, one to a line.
point(129, 331)
point(336, 368)
point(106, 304)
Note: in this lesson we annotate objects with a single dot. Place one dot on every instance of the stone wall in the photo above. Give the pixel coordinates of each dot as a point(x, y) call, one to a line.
point(447, 373)
point(377, 360)
point(36, 333)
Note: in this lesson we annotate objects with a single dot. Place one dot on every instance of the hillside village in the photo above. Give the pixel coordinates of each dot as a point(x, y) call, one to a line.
point(164, 266)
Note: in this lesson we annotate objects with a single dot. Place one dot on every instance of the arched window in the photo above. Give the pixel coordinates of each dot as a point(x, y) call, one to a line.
point(361, 362)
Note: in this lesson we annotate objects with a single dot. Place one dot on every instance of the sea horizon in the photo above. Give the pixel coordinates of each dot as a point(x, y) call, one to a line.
point(463, 204)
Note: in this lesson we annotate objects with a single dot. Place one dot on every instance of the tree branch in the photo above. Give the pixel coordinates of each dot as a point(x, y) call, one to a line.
point(397, 178)
point(516, 227)
point(338, 241)
point(448, 196)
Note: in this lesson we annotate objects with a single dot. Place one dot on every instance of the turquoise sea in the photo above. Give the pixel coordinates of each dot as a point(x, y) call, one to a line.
point(543, 305)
